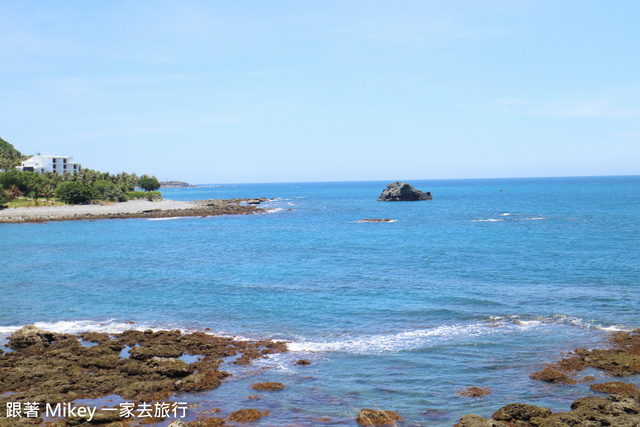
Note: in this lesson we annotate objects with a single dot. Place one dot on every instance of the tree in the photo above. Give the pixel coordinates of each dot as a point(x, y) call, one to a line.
point(148, 183)
point(107, 190)
point(4, 198)
point(9, 156)
point(74, 192)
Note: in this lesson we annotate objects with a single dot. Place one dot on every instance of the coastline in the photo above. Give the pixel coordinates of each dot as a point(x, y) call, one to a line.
point(132, 209)
point(158, 367)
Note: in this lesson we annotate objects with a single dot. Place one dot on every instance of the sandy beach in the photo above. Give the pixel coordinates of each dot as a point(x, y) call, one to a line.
point(131, 209)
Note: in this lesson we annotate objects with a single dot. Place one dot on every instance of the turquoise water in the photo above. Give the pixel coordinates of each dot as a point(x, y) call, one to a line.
point(479, 287)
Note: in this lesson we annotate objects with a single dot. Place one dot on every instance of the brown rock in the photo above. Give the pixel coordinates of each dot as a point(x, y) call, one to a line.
point(615, 410)
point(514, 412)
point(615, 387)
point(472, 420)
point(474, 392)
point(303, 362)
point(244, 415)
point(207, 422)
point(268, 386)
point(551, 375)
point(371, 417)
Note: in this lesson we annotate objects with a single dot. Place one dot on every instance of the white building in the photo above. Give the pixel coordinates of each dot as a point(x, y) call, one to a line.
point(55, 164)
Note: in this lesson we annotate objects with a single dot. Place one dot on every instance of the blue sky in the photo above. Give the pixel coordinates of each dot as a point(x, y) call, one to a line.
point(268, 91)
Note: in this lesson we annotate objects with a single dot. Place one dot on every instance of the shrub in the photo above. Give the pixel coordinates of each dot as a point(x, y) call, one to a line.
point(74, 192)
point(148, 183)
point(4, 198)
point(151, 195)
point(115, 194)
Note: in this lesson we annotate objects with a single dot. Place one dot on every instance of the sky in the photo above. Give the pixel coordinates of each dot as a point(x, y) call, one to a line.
point(255, 91)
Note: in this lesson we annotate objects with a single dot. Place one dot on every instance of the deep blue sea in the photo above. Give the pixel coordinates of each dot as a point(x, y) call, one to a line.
point(481, 286)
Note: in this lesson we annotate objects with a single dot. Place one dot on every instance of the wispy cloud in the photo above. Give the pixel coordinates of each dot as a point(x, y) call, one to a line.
point(597, 108)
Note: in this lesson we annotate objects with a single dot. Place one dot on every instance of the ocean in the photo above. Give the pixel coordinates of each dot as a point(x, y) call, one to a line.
point(481, 286)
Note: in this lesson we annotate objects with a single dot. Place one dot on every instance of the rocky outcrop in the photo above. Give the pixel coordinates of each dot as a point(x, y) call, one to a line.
point(551, 375)
point(616, 410)
point(473, 420)
point(175, 184)
point(474, 392)
point(402, 192)
point(56, 368)
point(303, 362)
point(268, 386)
point(519, 412)
point(247, 415)
point(30, 335)
point(371, 417)
point(376, 220)
point(615, 387)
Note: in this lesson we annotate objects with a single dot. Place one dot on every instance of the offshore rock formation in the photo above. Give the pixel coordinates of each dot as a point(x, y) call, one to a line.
point(402, 192)
point(175, 184)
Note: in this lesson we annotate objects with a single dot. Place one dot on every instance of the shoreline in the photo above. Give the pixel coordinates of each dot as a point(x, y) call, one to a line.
point(132, 209)
point(156, 366)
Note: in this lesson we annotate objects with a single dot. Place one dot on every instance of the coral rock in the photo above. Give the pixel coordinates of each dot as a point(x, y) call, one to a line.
point(244, 415)
point(268, 386)
point(474, 392)
point(371, 417)
point(551, 375)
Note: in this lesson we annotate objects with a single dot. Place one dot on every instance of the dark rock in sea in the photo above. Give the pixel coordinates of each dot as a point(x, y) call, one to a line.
point(472, 420)
point(268, 386)
point(303, 362)
point(551, 375)
point(474, 392)
point(614, 387)
point(402, 192)
point(371, 417)
point(207, 422)
point(623, 359)
point(245, 415)
point(376, 220)
point(30, 335)
point(518, 412)
point(615, 410)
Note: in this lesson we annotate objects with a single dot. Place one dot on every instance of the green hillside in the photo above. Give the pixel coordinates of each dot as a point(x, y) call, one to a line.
point(9, 156)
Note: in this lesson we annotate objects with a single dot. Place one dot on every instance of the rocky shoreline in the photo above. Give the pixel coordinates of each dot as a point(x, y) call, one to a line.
point(133, 209)
point(621, 408)
point(48, 371)
point(47, 368)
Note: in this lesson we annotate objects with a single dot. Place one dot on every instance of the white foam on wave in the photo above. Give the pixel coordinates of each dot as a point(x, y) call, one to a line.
point(274, 210)
point(533, 218)
point(115, 327)
point(488, 220)
point(78, 326)
point(456, 334)
point(164, 219)
point(407, 340)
